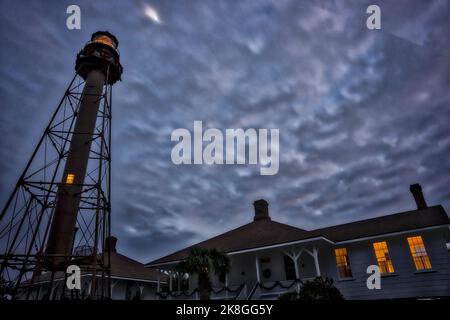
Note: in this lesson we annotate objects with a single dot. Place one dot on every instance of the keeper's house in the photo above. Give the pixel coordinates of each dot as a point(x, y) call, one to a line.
point(130, 280)
point(270, 258)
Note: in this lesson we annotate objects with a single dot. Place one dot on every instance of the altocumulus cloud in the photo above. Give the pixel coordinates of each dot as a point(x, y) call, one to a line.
point(362, 114)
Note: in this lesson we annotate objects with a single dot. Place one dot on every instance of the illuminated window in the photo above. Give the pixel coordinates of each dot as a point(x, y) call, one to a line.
point(383, 258)
point(70, 178)
point(105, 40)
point(343, 263)
point(419, 253)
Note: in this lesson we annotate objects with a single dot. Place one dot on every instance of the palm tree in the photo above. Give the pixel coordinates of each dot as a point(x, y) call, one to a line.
point(202, 262)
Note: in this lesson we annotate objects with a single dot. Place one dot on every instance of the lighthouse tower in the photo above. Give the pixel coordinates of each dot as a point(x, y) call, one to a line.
point(59, 211)
point(98, 61)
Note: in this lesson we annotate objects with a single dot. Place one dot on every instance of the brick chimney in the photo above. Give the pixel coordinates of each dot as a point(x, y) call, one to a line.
point(416, 191)
point(261, 210)
point(110, 244)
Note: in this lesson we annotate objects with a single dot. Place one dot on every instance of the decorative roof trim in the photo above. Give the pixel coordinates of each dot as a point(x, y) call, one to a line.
point(281, 244)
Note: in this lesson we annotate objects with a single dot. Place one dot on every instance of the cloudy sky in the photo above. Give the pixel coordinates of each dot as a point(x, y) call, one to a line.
point(362, 113)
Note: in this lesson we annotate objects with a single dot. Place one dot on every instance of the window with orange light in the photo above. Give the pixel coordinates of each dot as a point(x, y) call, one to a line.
point(70, 178)
point(105, 40)
point(343, 263)
point(419, 253)
point(383, 259)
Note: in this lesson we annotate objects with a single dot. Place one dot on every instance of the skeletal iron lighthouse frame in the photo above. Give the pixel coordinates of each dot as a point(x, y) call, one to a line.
point(27, 271)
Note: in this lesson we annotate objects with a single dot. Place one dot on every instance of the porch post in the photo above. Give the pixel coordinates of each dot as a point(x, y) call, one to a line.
point(258, 278)
point(316, 260)
point(158, 286)
point(158, 283)
point(141, 291)
point(297, 274)
point(113, 284)
point(226, 285)
point(294, 256)
point(89, 288)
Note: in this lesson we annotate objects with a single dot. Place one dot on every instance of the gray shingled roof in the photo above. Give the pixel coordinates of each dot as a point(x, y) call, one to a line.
point(409, 220)
point(266, 232)
point(124, 267)
point(121, 267)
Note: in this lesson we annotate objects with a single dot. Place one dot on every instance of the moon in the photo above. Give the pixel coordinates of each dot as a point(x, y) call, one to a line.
point(152, 14)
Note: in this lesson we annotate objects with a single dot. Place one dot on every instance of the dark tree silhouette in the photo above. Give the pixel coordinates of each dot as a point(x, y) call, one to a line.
point(318, 289)
point(202, 262)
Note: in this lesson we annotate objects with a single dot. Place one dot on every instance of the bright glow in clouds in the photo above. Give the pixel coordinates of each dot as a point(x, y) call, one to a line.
point(151, 13)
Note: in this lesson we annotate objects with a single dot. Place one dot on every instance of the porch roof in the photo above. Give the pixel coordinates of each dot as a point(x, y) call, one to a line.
point(265, 232)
